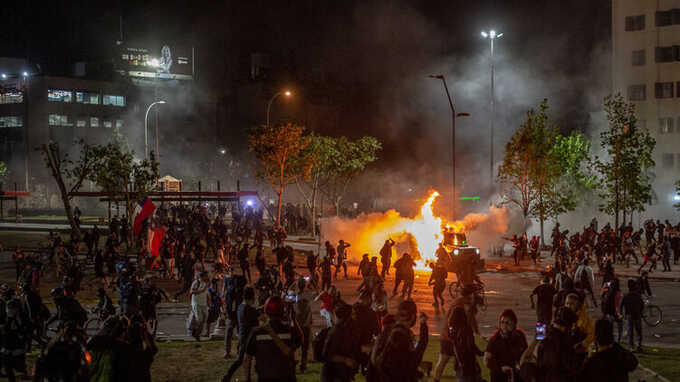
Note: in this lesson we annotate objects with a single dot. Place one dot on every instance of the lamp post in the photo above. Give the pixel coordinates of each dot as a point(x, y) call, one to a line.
point(146, 133)
point(492, 35)
point(287, 93)
point(453, 142)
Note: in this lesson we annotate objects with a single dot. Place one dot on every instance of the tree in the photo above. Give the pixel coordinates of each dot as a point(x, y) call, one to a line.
point(341, 161)
point(319, 148)
point(4, 173)
point(69, 175)
point(624, 180)
point(282, 156)
point(121, 177)
point(520, 168)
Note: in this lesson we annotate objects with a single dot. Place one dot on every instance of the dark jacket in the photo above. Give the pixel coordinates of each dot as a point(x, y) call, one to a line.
point(611, 365)
point(557, 360)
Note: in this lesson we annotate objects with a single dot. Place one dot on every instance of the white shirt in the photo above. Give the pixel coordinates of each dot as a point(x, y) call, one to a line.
point(199, 299)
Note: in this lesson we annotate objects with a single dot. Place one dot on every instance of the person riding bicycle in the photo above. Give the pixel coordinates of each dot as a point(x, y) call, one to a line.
point(68, 309)
point(105, 305)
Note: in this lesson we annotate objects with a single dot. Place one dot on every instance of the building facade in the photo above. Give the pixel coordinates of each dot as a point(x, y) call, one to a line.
point(646, 70)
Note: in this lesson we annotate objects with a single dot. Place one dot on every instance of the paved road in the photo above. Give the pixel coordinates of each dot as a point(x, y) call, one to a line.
point(504, 290)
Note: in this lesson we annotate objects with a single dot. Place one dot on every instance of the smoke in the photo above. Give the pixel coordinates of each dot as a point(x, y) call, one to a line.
point(419, 235)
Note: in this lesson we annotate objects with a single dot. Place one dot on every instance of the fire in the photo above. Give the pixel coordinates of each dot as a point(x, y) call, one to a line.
point(419, 236)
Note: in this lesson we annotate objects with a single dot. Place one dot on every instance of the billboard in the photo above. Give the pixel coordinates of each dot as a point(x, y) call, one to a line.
point(162, 61)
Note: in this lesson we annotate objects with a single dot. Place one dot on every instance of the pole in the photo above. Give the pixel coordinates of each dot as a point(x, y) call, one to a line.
point(157, 154)
point(493, 114)
point(269, 106)
point(453, 150)
point(146, 132)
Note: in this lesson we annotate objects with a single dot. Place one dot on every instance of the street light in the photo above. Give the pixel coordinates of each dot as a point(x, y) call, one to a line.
point(491, 35)
point(453, 142)
point(286, 93)
point(25, 74)
point(146, 133)
point(4, 76)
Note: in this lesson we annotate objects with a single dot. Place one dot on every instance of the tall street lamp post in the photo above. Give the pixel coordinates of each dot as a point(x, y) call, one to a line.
point(453, 142)
point(492, 35)
point(146, 132)
point(287, 93)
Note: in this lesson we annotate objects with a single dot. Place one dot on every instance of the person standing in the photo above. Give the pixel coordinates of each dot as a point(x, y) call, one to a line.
point(611, 301)
point(505, 348)
point(404, 272)
point(199, 304)
point(464, 347)
point(341, 350)
point(611, 362)
point(386, 257)
point(273, 345)
point(545, 294)
point(631, 308)
point(325, 273)
point(398, 357)
point(438, 283)
point(584, 279)
point(327, 298)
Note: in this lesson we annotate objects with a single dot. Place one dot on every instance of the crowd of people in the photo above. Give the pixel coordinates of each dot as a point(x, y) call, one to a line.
point(268, 311)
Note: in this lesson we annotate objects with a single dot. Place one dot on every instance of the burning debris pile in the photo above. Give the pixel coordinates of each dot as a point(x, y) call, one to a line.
point(420, 236)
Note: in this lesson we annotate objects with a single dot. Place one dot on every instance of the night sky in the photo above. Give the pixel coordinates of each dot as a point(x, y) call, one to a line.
point(374, 57)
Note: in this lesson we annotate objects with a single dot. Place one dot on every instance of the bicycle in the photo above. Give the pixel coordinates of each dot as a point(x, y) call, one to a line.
point(479, 298)
point(651, 314)
point(94, 325)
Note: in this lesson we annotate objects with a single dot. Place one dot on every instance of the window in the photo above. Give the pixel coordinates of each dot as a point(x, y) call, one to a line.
point(87, 97)
point(59, 95)
point(667, 160)
point(637, 92)
point(639, 57)
point(664, 18)
point(108, 124)
point(94, 122)
point(81, 122)
point(60, 120)
point(114, 100)
point(11, 121)
point(663, 89)
point(119, 124)
point(635, 23)
point(664, 54)
point(11, 96)
point(665, 125)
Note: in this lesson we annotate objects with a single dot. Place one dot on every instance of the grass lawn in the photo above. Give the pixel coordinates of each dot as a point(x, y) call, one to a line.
point(11, 240)
point(662, 360)
point(183, 361)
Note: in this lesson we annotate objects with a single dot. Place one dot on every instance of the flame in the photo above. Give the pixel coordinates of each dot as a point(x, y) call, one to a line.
point(419, 236)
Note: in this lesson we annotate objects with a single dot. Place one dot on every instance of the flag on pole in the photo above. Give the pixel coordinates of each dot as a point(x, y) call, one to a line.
point(144, 209)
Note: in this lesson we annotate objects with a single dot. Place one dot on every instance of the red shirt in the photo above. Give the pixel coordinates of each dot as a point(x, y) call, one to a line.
point(326, 301)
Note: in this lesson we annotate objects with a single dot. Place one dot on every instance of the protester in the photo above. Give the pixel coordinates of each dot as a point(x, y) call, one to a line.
point(584, 324)
point(327, 298)
point(273, 345)
point(199, 305)
point(247, 321)
point(545, 293)
point(398, 358)
point(631, 308)
point(342, 348)
point(556, 359)
point(404, 272)
point(341, 257)
point(611, 301)
point(505, 348)
point(438, 283)
point(611, 362)
point(386, 257)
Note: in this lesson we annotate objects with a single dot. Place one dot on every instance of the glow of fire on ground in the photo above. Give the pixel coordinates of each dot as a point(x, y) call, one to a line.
point(420, 236)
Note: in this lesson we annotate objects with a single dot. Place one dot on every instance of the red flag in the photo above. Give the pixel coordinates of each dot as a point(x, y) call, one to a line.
point(157, 240)
point(144, 209)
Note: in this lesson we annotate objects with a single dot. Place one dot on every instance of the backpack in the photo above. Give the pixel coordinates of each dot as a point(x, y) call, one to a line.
point(318, 343)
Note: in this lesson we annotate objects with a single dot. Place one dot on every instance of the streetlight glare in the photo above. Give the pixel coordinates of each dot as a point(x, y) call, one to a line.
point(25, 74)
point(161, 101)
point(4, 76)
point(499, 35)
point(492, 33)
point(484, 34)
point(287, 93)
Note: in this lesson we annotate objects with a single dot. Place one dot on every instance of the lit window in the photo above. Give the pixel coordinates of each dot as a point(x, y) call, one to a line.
point(11, 121)
point(663, 89)
point(59, 95)
point(637, 92)
point(114, 100)
point(11, 96)
point(108, 124)
point(81, 122)
point(59, 120)
point(94, 122)
point(87, 97)
point(665, 125)
point(119, 124)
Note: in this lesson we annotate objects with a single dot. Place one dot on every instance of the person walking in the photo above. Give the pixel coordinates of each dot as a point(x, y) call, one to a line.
point(341, 257)
point(386, 257)
point(199, 305)
point(545, 294)
point(247, 321)
point(611, 362)
point(505, 349)
point(404, 273)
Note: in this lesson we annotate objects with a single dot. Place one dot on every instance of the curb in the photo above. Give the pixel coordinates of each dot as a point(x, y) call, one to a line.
point(654, 373)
